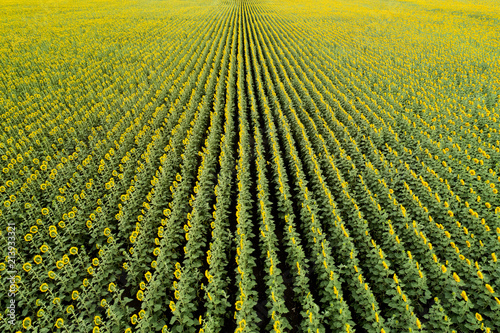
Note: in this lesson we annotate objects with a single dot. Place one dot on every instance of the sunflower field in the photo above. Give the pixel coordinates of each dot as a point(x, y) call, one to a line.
point(249, 166)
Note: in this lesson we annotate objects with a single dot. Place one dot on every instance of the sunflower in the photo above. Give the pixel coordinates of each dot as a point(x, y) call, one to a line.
point(27, 267)
point(44, 287)
point(26, 322)
point(59, 323)
point(37, 259)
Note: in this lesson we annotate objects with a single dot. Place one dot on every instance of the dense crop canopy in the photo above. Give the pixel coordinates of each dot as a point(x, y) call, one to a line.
point(249, 166)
